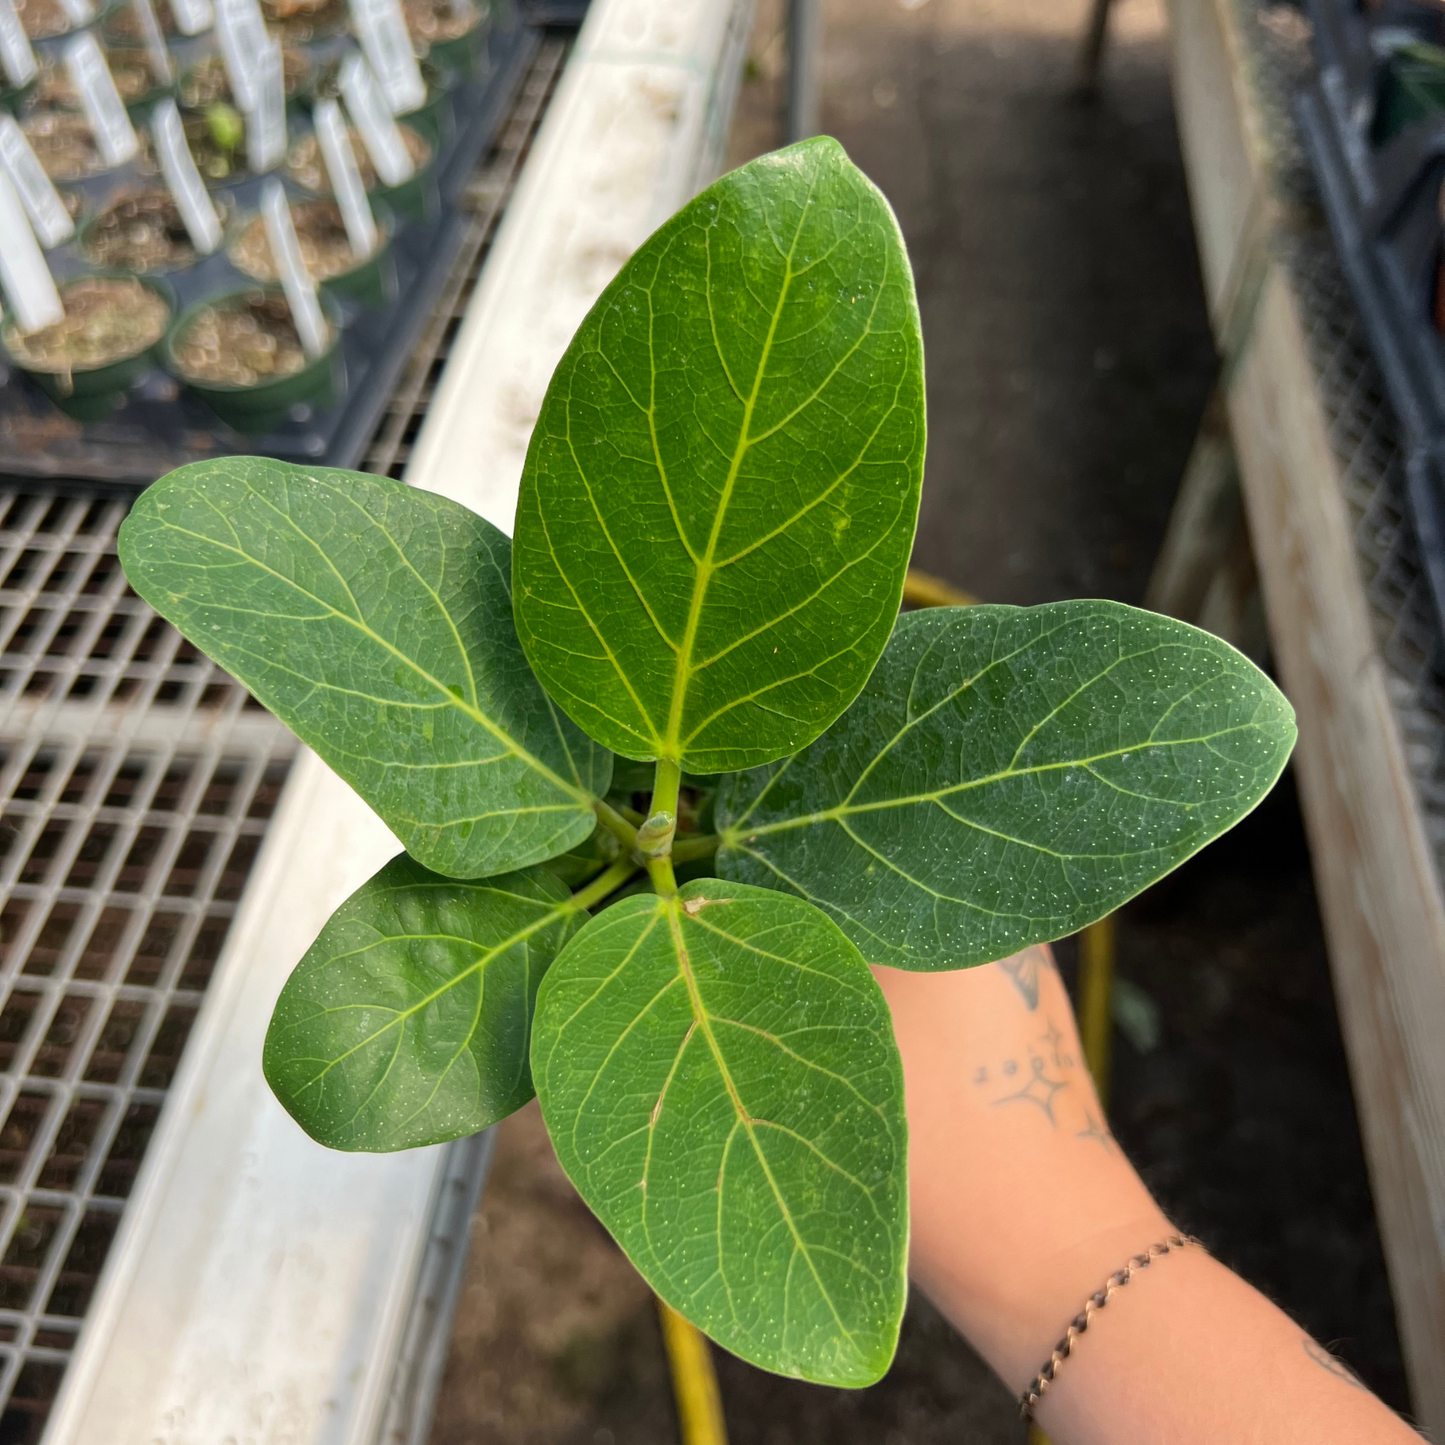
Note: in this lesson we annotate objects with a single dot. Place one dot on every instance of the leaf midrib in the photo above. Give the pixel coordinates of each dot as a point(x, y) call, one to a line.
point(446, 696)
point(480, 964)
point(739, 832)
point(703, 1020)
point(671, 743)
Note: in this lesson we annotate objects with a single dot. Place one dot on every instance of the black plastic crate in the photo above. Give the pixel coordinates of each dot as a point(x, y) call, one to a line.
point(162, 426)
point(1376, 142)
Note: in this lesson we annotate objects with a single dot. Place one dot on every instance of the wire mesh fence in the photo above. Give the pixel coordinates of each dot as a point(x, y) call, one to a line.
point(1364, 429)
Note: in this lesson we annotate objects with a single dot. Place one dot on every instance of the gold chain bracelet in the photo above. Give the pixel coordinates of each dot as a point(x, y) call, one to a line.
point(1040, 1383)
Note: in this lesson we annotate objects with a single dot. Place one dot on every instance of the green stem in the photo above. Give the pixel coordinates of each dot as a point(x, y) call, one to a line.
point(663, 879)
point(666, 785)
point(654, 837)
point(695, 845)
point(615, 824)
point(605, 883)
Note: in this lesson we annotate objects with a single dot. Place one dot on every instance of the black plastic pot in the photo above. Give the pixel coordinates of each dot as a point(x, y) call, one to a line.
point(417, 199)
point(86, 232)
point(434, 118)
point(93, 394)
point(1412, 86)
point(372, 283)
point(267, 404)
point(465, 55)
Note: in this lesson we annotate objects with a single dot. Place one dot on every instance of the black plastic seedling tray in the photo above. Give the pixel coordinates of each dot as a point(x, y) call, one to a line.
point(161, 425)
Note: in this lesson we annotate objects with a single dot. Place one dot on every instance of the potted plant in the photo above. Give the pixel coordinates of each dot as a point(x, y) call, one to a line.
point(415, 198)
point(1411, 86)
point(300, 22)
point(217, 141)
point(206, 83)
point(326, 250)
point(715, 520)
point(42, 19)
point(121, 28)
point(241, 354)
point(130, 67)
point(106, 339)
point(63, 144)
point(140, 232)
point(452, 34)
point(434, 118)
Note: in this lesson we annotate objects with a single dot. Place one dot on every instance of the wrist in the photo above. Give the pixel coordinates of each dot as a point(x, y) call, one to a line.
point(1014, 1306)
point(1021, 1202)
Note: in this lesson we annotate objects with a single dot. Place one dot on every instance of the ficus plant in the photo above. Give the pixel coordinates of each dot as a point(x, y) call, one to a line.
point(671, 772)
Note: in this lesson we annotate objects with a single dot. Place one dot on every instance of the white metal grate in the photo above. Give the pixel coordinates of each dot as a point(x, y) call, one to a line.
point(136, 781)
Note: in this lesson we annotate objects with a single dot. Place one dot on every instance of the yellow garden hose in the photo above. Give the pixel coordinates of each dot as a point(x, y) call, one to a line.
point(920, 589)
point(694, 1381)
point(1096, 988)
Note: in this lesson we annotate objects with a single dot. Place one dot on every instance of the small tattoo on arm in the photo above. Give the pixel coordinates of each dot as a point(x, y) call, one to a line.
point(1326, 1361)
point(1039, 1090)
point(1094, 1129)
point(1024, 969)
point(1048, 1078)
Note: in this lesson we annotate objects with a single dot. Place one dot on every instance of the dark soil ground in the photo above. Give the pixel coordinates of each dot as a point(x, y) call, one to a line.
point(1069, 360)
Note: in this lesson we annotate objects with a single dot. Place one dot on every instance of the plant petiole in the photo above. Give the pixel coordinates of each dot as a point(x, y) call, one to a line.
point(603, 885)
point(695, 845)
point(615, 823)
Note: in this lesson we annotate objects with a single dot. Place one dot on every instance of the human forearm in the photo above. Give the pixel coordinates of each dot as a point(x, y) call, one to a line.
point(1023, 1205)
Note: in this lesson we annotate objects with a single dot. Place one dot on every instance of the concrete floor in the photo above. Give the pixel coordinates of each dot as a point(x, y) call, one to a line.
point(1068, 363)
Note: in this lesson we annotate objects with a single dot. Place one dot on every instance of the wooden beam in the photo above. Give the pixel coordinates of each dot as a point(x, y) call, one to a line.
point(1377, 874)
point(1375, 870)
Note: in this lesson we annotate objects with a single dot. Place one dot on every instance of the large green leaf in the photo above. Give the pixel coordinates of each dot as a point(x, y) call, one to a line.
point(718, 1074)
point(720, 495)
point(376, 621)
point(408, 1020)
point(1009, 775)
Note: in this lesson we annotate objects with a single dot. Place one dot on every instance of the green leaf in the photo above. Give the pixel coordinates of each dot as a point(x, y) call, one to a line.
point(718, 1074)
point(1009, 775)
point(376, 621)
point(720, 495)
point(408, 1020)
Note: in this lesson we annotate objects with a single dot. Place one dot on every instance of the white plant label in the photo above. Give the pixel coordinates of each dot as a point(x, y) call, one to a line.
point(115, 136)
point(16, 56)
point(193, 16)
point(380, 133)
point(78, 12)
point(153, 40)
point(382, 30)
point(266, 121)
point(48, 216)
point(345, 175)
point(29, 286)
point(242, 34)
point(296, 280)
point(183, 180)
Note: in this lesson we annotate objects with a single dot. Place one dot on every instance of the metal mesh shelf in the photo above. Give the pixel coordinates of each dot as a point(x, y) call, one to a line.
point(136, 783)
